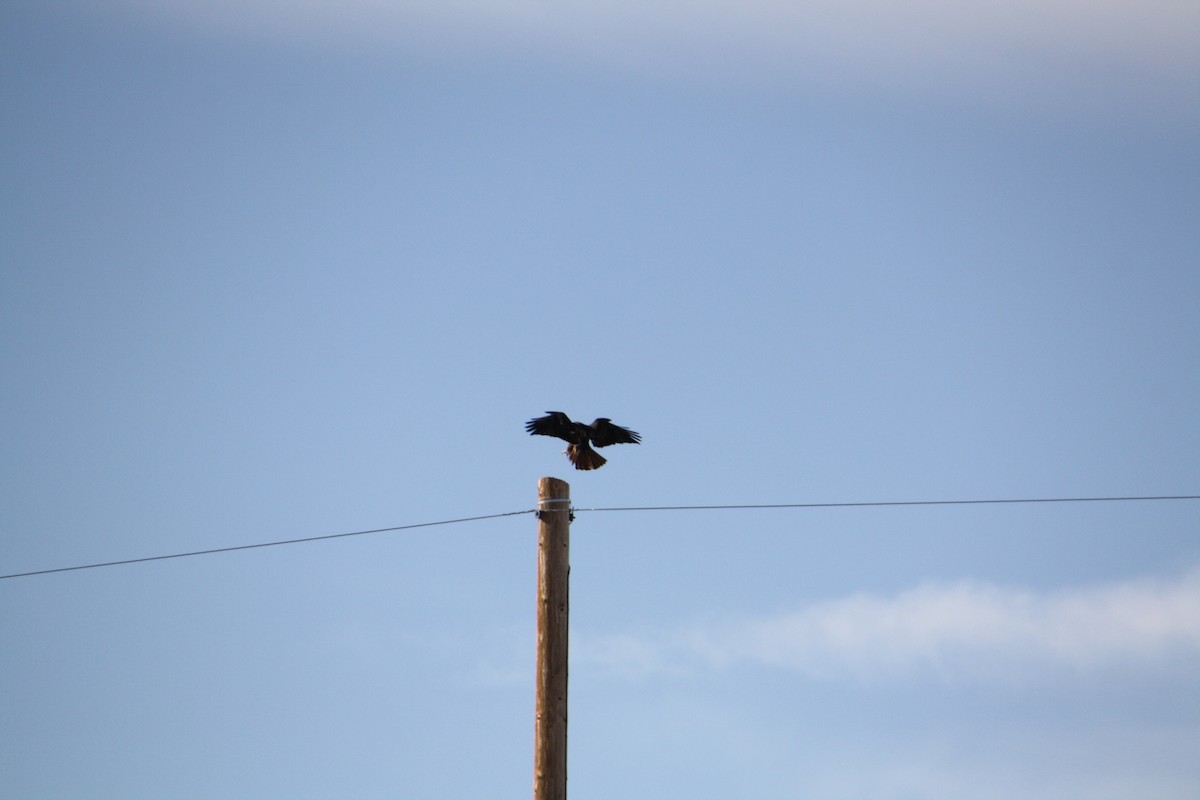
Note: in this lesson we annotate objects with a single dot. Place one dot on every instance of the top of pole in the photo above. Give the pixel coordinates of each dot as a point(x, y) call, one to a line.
point(553, 494)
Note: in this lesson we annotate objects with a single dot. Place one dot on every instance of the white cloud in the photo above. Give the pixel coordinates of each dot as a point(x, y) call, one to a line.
point(960, 631)
point(921, 40)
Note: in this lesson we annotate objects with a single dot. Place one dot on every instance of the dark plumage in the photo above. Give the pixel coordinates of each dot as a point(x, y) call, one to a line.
point(601, 433)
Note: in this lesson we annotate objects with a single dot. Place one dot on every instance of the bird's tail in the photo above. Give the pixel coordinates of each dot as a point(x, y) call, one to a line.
point(584, 457)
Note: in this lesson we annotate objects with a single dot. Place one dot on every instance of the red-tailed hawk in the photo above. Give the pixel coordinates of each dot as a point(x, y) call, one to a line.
point(601, 433)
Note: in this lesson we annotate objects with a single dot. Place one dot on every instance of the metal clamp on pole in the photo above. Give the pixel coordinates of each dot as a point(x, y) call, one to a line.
point(543, 502)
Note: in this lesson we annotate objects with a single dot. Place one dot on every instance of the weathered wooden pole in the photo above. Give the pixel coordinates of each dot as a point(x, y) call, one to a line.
point(554, 567)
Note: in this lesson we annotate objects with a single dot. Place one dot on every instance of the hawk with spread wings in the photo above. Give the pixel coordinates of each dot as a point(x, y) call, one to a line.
point(578, 435)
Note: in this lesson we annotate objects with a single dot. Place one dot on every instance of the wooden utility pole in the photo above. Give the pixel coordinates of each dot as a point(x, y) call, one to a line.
point(554, 567)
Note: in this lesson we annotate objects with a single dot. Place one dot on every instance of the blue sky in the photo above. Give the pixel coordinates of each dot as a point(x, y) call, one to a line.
point(274, 270)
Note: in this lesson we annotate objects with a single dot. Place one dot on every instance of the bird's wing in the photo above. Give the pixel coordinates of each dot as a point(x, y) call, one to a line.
point(555, 423)
point(604, 433)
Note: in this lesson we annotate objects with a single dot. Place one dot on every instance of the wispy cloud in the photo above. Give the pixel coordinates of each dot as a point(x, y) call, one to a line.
point(918, 40)
point(959, 631)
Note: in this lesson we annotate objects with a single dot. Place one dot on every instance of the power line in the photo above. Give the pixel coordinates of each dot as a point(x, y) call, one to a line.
point(261, 544)
point(739, 506)
point(884, 503)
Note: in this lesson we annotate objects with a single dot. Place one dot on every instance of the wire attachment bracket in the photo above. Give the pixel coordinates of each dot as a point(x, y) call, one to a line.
point(570, 509)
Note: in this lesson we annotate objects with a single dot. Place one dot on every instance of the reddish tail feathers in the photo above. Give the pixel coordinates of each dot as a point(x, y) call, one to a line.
point(584, 457)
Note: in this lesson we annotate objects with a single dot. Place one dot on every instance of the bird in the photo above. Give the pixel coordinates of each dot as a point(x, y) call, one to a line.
point(601, 433)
